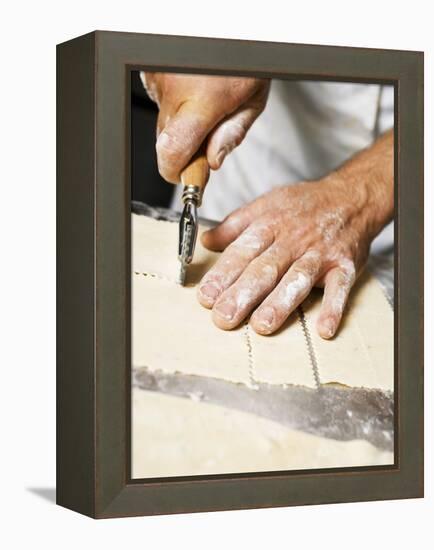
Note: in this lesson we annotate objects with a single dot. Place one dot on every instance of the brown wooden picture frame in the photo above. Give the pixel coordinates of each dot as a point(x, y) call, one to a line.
point(93, 281)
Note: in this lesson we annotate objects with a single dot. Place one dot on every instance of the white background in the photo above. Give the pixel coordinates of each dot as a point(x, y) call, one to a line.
point(29, 32)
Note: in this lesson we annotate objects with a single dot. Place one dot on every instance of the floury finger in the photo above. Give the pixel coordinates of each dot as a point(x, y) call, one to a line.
point(248, 246)
point(289, 293)
point(338, 284)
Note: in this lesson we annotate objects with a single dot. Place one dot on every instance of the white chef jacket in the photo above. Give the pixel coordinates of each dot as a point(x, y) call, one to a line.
point(306, 130)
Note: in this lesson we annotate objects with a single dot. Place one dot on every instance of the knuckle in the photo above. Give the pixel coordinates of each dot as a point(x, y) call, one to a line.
point(239, 87)
point(247, 241)
point(234, 221)
point(244, 296)
point(309, 265)
point(264, 271)
point(303, 272)
point(224, 272)
point(347, 272)
point(292, 290)
point(168, 144)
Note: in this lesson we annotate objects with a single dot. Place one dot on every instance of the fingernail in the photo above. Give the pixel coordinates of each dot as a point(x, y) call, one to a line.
point(226, 310)
point(210, 290)
point(266, 317)
point(328, 328)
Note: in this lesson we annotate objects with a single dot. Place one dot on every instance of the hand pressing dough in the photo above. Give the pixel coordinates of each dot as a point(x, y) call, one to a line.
point(172, 332)
point(173, 436)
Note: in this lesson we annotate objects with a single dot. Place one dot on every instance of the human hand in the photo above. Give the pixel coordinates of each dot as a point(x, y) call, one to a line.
point(277, 248)
point(194, 108)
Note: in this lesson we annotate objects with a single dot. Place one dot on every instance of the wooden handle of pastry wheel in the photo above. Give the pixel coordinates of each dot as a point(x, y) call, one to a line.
point(197, 171)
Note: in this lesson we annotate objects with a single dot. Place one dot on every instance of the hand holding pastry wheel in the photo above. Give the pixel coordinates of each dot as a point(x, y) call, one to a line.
point(194, 179)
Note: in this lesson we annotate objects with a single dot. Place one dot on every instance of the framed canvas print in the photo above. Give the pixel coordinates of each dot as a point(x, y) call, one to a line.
point(240, 274)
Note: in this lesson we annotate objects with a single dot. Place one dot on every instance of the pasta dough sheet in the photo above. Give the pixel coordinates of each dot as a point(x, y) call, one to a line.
point(283, 357)
point(172, 332)
point(362, 352)
point(155, 250)
point(195, 438)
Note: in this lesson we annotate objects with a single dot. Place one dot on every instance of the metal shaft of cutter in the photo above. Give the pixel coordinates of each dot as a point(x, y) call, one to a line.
point(194, 179)
point(188, 227)
point(187, 232)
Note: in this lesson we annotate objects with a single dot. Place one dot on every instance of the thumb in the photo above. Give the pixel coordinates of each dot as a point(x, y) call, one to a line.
point(219, 237)
point(182, 135)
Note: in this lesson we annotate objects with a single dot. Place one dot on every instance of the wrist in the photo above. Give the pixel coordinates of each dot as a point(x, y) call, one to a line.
point(365, 183)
